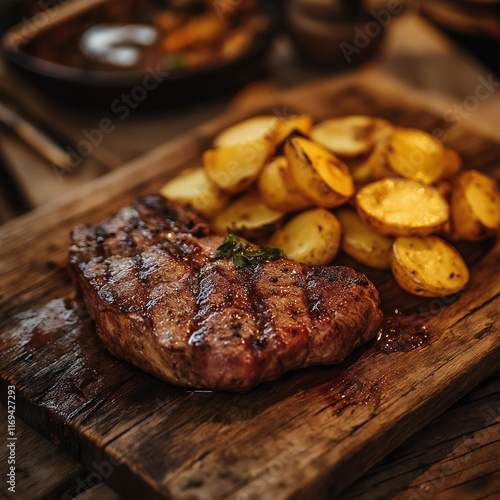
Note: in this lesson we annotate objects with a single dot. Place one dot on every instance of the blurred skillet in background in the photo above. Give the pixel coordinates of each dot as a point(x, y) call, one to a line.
point(474, 24)
point(162, 52)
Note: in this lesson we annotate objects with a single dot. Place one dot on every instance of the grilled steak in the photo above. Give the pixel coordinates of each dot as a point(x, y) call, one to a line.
point(161, 301)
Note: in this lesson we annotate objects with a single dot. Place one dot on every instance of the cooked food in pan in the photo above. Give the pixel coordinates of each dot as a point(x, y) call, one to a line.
point(167, 35)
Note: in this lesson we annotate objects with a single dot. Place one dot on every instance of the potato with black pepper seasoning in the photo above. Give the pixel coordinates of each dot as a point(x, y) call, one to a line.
point(429, 267)
point(319, 174)
point(415, 154)
point(312, 237)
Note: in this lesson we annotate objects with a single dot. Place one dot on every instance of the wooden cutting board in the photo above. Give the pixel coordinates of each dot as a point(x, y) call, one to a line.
point(308, 435)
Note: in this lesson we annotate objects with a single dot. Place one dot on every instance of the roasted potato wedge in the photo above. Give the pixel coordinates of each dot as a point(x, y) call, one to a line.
point(193, 187)
point(428, 266)
point(257, 127)
point(350, 136)
point(248, 216)
point(475, 206)
point(416, 155)
point(278, 189)
point(301, 124)
point(312, 237)
point(402, 207)
point(362, 242)
point(361, 170)
point(235, 167)
point(319, 174)
point(452, 164)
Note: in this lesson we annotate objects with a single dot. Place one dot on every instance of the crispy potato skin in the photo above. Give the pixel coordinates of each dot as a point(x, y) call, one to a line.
point(314, 169)
point(301, 125)
point(429, 267)
point(278, 188)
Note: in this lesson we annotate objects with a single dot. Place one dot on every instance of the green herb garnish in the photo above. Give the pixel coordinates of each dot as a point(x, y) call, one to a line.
point(243, 253)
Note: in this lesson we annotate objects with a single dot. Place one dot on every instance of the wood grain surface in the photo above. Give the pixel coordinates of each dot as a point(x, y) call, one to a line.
point(308, 435)
point(455, 456)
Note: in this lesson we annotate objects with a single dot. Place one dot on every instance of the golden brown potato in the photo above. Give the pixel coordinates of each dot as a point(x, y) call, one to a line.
point(301, 124)
point(378, 162)
point(235, 167)
point(350, 136)
point(240, 152)
point(320, 175)
point(249, 130)
point(475, 206)
point(361, 170)
point(402, 207)
point(416, 155)
point(278, 189)
point(445, 188)
point(193, 187)
point(362, 242)
point(428, 266)
point(248, 216)
point(312, 237)
point(452, 164)
point(235, 44)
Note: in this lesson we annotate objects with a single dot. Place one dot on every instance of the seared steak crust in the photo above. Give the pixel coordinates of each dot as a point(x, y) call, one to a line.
point(162, 302)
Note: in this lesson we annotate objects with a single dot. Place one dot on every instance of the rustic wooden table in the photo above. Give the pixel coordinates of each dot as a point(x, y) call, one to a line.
point(458, 455)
